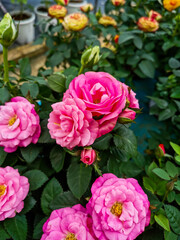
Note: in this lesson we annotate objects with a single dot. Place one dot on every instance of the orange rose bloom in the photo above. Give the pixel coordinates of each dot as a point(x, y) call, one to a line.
point(107, 20)
point(147, 24)
point(62, 2)
point(118, 2)
point(57, 11)
point(116, 38)
point(86, 8)
point(171, 4)
point(75, 22)
point(155, 15)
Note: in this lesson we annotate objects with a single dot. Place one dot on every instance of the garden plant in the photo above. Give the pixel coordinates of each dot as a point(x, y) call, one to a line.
point(71, 164)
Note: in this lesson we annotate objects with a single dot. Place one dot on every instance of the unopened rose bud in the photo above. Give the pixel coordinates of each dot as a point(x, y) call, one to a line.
point(118, 2)
point(90, 56)
point(127, 116)
point(155, 15)
point(62, 2)
point(8, 31)
point(160, 151)
point(170, 186)
point(88, 156)
point(116, 39)
point(87, 8)
point(98, 14)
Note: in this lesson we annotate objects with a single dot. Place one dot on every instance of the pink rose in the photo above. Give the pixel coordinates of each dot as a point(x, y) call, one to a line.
point(103, 96)
point(88, 156)
point(68, 223)
point(19, 124)
point(119, 208)
point(71, 124)
point(13, 190)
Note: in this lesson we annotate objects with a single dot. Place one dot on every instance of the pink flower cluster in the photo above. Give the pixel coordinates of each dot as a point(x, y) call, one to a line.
point(19, 124)
point(118, 210)
point(13, 190)
point(90, 108)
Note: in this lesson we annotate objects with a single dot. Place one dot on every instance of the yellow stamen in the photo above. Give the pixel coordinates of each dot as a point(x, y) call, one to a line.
point(70, 236)
point(116, 209)
point(12, 120)
point(2, 190)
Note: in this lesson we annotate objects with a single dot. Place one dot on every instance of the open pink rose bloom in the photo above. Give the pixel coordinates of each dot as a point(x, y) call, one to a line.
point(119, 208)
point(68, 224)
point(13, 190)
point(19, 124)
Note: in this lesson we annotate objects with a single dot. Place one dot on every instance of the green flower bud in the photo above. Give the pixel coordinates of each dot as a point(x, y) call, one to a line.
point(90, 56)
point(8, 32)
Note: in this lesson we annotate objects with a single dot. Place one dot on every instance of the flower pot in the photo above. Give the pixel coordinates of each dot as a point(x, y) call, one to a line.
point(26, 26)
point(42, 17)
point(74, 7)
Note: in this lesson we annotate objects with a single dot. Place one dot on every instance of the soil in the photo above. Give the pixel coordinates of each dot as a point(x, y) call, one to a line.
point(42, 9)
point(19, 16)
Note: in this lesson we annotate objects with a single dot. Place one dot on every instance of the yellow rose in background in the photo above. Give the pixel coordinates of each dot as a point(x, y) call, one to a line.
point(171, 4)
point(75, 22)
point(87, 8)
point(147, 24)
point(109, 45)
point(62, 2)
point(118, 2)
point(107, 20)
point(57, 11)
point(155, 15)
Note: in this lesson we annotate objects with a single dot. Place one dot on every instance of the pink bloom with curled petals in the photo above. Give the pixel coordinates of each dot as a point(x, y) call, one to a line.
point(13, 190)
point(88, 156)
point(19, 124)
point(68, 223)
point(71, 124)
point(119, 208)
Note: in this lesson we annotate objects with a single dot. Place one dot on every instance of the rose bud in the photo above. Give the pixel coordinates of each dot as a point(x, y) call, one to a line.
point(118, 2)
point(90, 56)
point(155, 15)
point(107, 21)
point(62, 2)
point(8, 31)
point(88, 156)
point(87, 8)
point(116, 39)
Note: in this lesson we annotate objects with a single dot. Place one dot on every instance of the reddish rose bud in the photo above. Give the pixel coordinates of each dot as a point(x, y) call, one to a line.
point(155, 15)
point(88, 156)
point(116, 38)
point(162, 149)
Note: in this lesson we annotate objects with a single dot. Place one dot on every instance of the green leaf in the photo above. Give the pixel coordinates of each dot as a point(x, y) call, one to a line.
point(113, 166)
point(51, 190)
point(17, 227)
point(178, 198)
point(103, 142)
point(174, 63)
point(78, 178)
point(29, 203)
point(56, 59)
point(173, 215)
point(31, 88)
point(37, 233)
point(36, 178)
point(57, 156)
point(165, 114)
point(161, 173)
point(125, 37)
point(176, 93)
point(170, 236)
point(130, 169)
point(45, 136)
point(161, 103)
point(176, 73)
point(171, 196)
point(138, 42)
point(171, 169)
point(162, 221)
point(4, 235)
point(57, 82)
point(175, 147)
point(126, 140)
point(30, 153)
point(62, 200)
point(3, 155)
point(147, 68)
point(4, 95)
point(177, 185)
point(149, 184)
point(177, 158)
point(25, 67)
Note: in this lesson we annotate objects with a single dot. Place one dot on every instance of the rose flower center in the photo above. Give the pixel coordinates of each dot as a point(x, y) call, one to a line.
point(2, 190)
point(116, 209)
point(70, 236)
point(12, 120)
